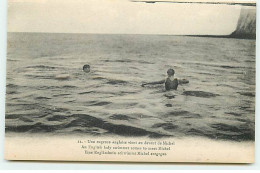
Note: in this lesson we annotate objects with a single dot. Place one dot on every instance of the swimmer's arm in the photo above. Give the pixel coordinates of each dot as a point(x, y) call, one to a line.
point(153, 83)
point(182, 81)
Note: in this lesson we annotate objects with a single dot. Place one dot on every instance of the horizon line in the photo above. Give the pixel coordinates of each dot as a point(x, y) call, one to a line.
point(117, 33)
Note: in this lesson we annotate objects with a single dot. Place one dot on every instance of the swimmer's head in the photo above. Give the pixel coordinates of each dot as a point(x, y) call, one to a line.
point(170, 72)
point(86, 68)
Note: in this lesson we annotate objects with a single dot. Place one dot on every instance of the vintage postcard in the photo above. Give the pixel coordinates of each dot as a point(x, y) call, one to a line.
point(131, 81)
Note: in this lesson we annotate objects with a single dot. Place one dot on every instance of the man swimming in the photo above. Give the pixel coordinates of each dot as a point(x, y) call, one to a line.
point(86, 68)
point(171, 83)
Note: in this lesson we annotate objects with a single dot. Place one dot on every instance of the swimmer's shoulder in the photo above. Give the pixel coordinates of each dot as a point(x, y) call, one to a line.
point(175, 82)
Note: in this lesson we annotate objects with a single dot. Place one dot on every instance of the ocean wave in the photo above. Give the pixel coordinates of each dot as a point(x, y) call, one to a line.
point(86, 121)
point(116, 82)
point(165, 126)
point(121, 117)
point(128, 61)
point(44, 67)
point(184, 114)
point(225, 66)
point(250, 94)
point(200, 94)
point(100, 103)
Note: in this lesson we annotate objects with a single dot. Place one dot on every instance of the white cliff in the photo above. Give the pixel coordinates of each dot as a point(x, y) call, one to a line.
point(246, 26)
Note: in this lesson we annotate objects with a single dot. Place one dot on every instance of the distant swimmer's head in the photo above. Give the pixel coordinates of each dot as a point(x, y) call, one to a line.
point(86, 68)
point(170, 72)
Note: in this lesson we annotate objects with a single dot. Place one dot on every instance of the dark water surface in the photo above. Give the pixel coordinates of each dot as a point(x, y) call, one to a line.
point(47, 91)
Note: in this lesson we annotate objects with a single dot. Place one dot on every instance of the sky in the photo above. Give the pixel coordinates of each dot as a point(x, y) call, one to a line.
point(120, 17)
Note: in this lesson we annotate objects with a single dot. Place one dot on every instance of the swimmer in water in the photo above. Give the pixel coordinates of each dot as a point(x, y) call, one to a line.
point(171, 83)
point(86, 68)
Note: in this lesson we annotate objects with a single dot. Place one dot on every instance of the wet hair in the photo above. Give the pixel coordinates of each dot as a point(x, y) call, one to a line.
point(170, 72)
point(85, 67)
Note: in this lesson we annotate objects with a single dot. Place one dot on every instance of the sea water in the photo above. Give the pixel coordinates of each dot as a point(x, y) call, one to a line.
point(49, 93)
